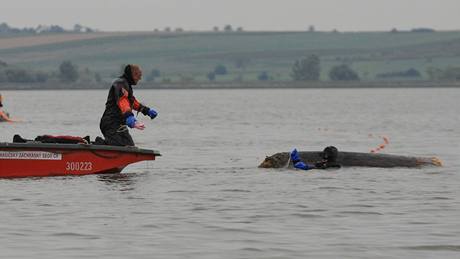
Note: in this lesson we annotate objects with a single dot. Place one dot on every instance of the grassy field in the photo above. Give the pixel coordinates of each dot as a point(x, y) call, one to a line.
point(190, 56)
point(45, 39)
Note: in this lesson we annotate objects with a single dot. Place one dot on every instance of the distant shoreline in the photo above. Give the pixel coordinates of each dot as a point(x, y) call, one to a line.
point(188, 60)
point(238, 85)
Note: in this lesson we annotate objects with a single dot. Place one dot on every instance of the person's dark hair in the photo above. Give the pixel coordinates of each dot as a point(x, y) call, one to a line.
point(330, 153)
point(128, 75)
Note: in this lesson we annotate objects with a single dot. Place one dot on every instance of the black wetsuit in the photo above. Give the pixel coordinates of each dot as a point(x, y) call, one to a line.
point(329, 155)
point(113, 121)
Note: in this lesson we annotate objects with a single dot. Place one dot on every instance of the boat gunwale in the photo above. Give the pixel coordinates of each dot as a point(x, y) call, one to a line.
point(39, 145)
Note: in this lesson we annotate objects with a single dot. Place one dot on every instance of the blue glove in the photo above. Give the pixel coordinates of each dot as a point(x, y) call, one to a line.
point(295, 156)
point(302, 165)
point(131, 121)
point(152, 113)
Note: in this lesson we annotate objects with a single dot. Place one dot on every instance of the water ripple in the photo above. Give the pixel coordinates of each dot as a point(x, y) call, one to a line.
point(304, 215)
point(455, 248)
point(74, 234)
point(361, 212)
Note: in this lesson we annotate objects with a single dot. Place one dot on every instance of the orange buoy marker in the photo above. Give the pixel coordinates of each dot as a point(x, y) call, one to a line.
point(386, 141)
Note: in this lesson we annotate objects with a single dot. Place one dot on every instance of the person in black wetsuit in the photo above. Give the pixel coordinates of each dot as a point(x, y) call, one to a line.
point(329, 160)
point(118, 114)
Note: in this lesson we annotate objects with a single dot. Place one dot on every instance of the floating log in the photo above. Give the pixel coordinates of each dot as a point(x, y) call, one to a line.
point(347, 159)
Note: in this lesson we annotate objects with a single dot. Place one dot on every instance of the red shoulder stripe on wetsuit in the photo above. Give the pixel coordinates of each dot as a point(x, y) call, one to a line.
point(123, 103)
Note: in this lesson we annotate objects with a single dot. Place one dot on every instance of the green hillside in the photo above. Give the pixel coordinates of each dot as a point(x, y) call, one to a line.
point(245, 54)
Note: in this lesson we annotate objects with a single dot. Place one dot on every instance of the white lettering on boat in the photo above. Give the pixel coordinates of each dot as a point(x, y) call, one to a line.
point(78, 166)
point(30, 155)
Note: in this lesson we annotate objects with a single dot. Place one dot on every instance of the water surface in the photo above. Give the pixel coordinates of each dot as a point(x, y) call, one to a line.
point(206, 198)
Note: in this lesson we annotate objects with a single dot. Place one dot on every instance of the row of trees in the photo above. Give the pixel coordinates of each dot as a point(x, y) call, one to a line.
point(67, 72)
point(309, 69)
point(6, 29)
point(311, 28)
point(410, 73)
point(226, 28)
point(305, 69)
point(450, 73)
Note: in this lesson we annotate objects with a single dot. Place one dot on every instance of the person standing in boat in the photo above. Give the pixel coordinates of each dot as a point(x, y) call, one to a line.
point(118, 114)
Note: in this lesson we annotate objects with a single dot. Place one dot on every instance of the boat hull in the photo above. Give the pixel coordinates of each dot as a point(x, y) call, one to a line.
point(39, 160)
point(348, 159)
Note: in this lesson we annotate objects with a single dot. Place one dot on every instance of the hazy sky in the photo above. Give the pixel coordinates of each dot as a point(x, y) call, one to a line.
point(344, 15)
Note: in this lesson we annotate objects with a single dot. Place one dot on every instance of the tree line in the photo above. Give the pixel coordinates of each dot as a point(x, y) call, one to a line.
point(67, 72)
point(304, 69)
point(5, 29)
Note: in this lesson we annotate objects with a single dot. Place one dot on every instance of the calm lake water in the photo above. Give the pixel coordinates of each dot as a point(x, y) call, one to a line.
point(206, 198)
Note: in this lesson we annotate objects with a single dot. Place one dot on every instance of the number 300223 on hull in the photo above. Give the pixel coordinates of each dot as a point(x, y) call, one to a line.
point(42, 159)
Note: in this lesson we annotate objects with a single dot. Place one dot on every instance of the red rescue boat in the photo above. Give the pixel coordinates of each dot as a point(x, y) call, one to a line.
point(49, 159)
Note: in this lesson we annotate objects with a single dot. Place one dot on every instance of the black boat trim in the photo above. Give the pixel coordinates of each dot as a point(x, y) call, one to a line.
point(90, 147)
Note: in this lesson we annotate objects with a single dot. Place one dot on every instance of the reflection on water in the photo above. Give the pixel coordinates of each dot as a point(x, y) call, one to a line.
point(121, 181)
